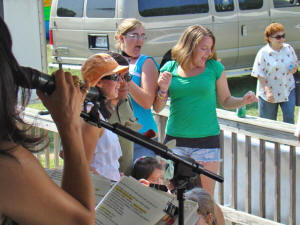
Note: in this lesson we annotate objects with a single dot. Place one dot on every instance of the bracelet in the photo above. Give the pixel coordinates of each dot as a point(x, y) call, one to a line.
point(161, 97)
point(163, 92)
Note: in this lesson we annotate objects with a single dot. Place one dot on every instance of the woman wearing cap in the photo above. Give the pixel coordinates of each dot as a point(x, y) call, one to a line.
point(274, 66)
point(193, 81)
point(102, 146)
point(129, 38)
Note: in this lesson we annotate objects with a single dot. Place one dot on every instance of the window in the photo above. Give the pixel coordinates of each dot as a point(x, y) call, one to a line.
point(171, 7)
point(286, 3)
point(250, 4)
point(100, 8)
point(70, 8)
point(224, 5)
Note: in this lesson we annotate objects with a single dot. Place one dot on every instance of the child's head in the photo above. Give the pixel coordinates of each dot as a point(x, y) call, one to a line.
point(206, 205)
point(148, 168)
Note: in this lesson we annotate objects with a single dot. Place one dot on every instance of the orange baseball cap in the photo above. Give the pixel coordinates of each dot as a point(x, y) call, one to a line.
point(98, 66)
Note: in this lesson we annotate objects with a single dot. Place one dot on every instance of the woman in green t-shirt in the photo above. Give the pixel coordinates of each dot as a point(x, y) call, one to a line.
point(193, 81)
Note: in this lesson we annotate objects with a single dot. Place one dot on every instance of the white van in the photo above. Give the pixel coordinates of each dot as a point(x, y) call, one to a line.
point(80, 28)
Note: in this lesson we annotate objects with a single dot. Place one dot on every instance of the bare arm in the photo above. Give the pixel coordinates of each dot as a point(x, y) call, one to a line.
point(28, 184)
point(227, 100)
point(163, 82)
point(145, 94)
point(90, 136)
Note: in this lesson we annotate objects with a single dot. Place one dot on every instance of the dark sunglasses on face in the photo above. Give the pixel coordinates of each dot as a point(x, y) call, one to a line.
point(126, 77)
point(278, 37)
point(113, 77)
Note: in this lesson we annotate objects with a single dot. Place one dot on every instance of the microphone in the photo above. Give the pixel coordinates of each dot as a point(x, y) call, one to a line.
point(46, 83)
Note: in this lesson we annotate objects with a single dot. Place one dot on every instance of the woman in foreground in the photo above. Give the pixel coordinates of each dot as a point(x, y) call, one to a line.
point(27, 194)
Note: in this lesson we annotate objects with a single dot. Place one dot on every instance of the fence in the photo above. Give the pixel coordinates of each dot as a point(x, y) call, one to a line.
point(270, 137)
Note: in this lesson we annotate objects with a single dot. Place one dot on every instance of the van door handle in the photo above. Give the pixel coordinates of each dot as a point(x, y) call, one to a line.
point(213, 18)
point(244, 30)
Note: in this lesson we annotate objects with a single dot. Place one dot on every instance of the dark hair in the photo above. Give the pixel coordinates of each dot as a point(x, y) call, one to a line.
point(144, 166)
point(12, 127)
point(121, 60)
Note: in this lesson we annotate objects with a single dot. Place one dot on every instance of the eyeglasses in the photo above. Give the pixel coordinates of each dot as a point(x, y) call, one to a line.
point(126, 77)
point(278, 37)
point(136, 36)
point(113, 77)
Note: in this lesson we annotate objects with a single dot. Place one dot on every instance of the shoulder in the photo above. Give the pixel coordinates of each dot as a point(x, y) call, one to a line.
point(214, 64)
point(169, 65)
point(15, 167)
point(148, 61)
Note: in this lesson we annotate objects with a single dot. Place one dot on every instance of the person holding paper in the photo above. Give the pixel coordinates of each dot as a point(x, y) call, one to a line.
point(122, 113)
point(27, 194)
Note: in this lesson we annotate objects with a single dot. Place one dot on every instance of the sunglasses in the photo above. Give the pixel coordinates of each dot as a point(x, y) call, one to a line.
point(127, 77)
point(113, 77)
point(278, 37)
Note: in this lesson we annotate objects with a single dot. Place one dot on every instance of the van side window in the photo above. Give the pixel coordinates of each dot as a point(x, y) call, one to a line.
point(284, 3)
point(250, 4)
point(171, 7)
point(100, 9)
point(224, 5)
point(70, 8)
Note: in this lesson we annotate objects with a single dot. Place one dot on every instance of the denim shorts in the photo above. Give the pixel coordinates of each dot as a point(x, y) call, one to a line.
point(199, 154)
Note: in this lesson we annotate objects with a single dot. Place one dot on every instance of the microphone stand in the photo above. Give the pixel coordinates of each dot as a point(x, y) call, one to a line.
point(159, 149)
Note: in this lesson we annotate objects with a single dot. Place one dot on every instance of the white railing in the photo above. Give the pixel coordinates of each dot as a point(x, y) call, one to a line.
point(259, 166)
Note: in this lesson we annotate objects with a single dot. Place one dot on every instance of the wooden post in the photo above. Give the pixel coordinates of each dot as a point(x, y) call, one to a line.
point(248, 174)
point(262, 182)
point(234, 170)
point(221, 169)
point(292, 216)
point(277, 162)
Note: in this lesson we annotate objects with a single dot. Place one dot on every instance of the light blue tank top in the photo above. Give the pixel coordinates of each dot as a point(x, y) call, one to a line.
point(143, 115)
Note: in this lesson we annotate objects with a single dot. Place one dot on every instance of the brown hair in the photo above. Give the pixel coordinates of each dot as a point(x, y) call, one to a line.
point(272, 29)
point(124, 27)
point(182, 52)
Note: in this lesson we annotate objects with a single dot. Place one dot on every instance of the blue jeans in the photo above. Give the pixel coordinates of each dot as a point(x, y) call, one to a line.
point(199, 154)
point(139, 151)
point(269, 110)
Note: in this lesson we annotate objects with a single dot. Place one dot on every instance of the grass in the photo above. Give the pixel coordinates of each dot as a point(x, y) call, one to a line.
point(237, 85)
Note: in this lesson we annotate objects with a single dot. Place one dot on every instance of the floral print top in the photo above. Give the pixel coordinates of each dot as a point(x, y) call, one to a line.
point(274, 66)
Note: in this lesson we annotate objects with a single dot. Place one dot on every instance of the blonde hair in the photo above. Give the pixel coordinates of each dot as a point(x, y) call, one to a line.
point(205, 202)
point(124, 27)
point(272, 29)
point(182, 52)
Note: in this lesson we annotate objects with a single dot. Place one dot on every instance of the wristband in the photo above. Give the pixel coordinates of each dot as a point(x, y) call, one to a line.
point(161, 97)
point(163, 92)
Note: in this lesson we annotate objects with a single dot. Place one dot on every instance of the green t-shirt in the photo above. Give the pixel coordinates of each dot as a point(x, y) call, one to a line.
point(193, 102)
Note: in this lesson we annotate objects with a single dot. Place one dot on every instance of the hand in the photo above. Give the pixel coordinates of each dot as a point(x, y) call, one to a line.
point(65, 103)
point(249, 98)
point(144, 182)
point(94, 171)
point(269, 94)
point(164, 80)
point(294, 70)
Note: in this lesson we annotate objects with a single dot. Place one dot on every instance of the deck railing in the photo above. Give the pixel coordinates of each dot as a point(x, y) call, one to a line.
point(241, 139)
